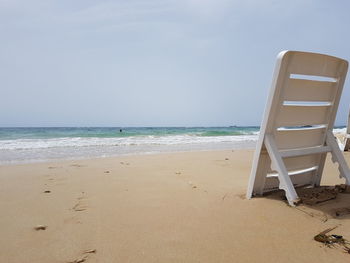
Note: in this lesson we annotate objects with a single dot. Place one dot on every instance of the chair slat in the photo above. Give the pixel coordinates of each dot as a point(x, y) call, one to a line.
point(302, 138)
point(302, 115)
point(305, 151)
point(301, 162)
point(309, 90)
point(272, 182)
point(314, 64)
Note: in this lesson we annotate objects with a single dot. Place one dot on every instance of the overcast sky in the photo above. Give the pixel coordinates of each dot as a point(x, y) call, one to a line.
point(155, 62)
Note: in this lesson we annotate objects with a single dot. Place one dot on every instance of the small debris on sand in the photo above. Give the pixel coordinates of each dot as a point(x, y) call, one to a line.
point(40, 227)
point(178, 173)
point(47, 191)
point(106, 172)
point(226, 159)
point(323, 237)
point(332, 241)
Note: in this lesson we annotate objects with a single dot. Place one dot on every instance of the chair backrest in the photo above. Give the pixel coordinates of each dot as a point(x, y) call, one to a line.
point(305, 98)
point(300, 110)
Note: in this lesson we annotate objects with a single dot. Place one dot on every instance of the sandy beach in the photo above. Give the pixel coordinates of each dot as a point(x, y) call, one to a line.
point(178, 207)
point(128, 130)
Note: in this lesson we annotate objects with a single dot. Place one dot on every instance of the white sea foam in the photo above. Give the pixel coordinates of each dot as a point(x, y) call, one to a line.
point(33, 150)
point(22, 144)
point(339, 130)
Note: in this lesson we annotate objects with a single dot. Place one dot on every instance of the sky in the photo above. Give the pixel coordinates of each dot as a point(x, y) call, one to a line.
point(156, 62)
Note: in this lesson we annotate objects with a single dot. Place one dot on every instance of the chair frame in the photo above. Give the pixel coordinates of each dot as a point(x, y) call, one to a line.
point(269, 155)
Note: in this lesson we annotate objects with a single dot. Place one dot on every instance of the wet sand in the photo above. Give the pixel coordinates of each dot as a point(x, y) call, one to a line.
point(179, 207)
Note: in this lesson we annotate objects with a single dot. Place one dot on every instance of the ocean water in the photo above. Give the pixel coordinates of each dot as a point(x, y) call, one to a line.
point(23, 145)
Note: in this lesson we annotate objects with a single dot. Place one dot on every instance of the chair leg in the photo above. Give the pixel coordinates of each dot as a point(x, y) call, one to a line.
point(337, 156)
point(285, 181)
point(317, 179)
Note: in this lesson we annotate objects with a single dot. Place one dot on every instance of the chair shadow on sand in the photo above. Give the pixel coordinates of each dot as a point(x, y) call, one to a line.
point(323, 203)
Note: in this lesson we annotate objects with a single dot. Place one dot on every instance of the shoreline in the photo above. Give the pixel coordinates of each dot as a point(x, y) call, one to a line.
point(165, 150)
point(27, 147)
point(174, 207)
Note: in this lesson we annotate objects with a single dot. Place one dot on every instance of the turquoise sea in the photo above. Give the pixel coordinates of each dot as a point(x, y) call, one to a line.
point(22, 145)
point(119, 132)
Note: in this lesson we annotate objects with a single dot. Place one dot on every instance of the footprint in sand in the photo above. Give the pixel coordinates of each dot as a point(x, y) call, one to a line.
point(55, 180)
point(84, 257)
point(50, 179)
point(80, 206)
point(241, 196)
point(77, 165)
point(54, 167)
point(192, 185)
point(72, 220)
point(222, 163)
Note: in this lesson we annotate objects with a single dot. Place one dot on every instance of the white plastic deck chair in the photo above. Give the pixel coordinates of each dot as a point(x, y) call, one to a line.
point(347, 136)
point(296, 131)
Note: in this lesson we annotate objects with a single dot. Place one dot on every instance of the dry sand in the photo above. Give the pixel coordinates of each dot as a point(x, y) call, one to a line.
point(180, 207)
